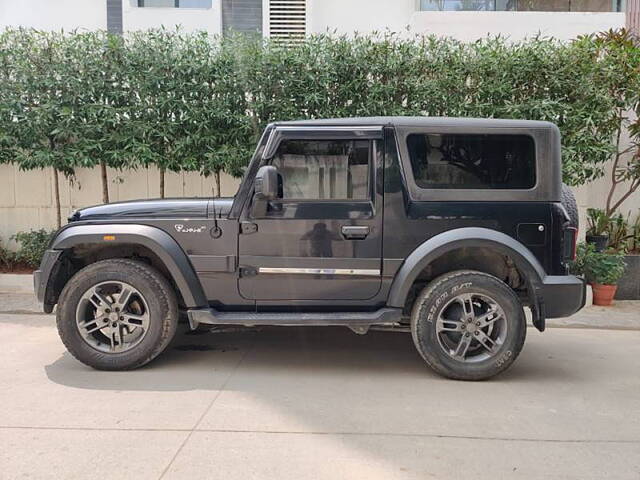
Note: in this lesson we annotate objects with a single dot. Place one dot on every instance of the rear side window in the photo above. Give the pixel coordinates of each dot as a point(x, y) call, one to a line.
point(475, 161)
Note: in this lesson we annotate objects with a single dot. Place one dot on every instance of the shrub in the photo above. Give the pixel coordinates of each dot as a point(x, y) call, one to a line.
point(193, 101)
point(605, 268)
point(7, 258)
point(598, 221)
point(32, 245)
point(624, 236)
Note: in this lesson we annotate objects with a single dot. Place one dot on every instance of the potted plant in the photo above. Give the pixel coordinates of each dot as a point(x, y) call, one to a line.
point(602, 270)
point(624, 237)
point(597, 233)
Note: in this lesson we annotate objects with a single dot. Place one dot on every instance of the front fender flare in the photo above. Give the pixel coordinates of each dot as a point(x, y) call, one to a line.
point(156, 240)
point(445, 242)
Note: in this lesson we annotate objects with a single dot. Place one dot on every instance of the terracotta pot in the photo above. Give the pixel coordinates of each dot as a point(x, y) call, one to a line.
point(603, 294)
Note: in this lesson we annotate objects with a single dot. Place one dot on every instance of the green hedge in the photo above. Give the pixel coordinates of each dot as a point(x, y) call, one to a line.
point(198, 102)
point(31, 248)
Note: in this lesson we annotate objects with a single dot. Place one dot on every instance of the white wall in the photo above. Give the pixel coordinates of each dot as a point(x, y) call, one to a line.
point(54, 14)
point(470, 26)
point(366, 16)
point(190, 19)
point(343, 16)
point(363, 16)
point(92, 15)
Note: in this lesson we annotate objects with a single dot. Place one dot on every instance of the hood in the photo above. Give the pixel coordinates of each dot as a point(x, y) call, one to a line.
point(160, 208)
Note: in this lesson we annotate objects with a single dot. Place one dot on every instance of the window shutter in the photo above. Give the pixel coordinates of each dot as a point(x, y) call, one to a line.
point(287, 20)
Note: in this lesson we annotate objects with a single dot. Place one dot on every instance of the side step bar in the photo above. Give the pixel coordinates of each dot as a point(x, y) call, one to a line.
point(357, 321)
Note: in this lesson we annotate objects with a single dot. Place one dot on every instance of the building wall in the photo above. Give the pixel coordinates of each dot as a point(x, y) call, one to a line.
point(27, 200)
point(341, 16)
point(470, 26)
point(54, 14)
point(92, 15)
point(364, 16)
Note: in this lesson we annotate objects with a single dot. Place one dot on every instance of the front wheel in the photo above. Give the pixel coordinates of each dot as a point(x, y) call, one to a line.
point(117, 314)
point(468, 325)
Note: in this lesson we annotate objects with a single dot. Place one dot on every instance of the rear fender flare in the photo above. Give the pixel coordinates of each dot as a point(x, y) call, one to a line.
point(155, 239)
point(445, 242)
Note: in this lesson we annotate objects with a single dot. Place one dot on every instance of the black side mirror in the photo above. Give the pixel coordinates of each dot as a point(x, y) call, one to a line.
point(266, 188)
point(266, 184)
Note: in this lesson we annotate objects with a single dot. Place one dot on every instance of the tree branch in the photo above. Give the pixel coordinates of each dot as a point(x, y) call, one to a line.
point(614, 168)
point(634, 186)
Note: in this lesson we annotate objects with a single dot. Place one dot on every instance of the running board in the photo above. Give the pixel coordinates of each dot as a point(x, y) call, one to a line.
point(357, 321)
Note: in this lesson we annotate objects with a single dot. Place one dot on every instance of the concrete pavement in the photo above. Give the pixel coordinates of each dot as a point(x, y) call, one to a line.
point(288, 403)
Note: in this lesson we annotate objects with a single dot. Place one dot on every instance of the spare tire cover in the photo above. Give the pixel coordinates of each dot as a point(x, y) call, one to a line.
point(570, 205)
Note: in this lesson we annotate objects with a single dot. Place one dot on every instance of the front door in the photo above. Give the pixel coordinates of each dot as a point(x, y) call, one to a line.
point(322, 239)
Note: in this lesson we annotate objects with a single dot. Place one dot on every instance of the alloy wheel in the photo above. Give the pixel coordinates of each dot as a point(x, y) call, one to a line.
point(112, 317)
point(471, 327)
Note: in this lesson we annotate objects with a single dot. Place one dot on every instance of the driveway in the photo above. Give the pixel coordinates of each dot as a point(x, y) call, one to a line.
point(318, 403)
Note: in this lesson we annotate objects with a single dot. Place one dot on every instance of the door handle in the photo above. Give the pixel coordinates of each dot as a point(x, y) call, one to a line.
point(355, 232)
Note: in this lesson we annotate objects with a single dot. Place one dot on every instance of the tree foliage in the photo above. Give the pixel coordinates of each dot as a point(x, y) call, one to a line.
point(196, 102)
point(39, 103)
point(538, 79)
point(618, 57)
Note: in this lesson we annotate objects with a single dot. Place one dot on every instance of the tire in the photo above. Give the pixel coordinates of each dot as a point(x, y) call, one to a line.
point(570, 205)
point(146, 324)
point(441, 305)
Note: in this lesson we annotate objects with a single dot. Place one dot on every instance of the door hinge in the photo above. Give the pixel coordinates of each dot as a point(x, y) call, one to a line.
point(248, 227)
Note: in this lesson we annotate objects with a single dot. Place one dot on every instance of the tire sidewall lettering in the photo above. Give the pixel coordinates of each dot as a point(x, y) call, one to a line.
point(436, 306)
point(440, 300)
point(504, 358)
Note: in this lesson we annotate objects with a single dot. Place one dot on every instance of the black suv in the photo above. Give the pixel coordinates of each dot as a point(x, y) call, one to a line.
point(444, 227)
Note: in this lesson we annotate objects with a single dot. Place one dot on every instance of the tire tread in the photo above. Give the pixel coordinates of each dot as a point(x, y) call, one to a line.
point(431, 361)
point(168, 308)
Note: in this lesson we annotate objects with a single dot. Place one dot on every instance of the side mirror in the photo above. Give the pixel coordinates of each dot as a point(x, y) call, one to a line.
point(266, 184)
point(265, 188)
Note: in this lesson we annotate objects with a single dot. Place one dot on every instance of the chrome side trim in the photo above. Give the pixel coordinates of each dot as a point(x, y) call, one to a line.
point(322, 271)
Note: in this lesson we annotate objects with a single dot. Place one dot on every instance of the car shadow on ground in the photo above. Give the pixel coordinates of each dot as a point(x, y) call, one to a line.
point(192, 360)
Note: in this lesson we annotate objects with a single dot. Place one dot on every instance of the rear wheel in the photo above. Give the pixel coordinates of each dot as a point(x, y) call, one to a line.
point(117, 314)
point(468, 325)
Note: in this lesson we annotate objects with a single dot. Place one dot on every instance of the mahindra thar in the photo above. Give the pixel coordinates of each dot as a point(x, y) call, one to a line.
point(443, 227)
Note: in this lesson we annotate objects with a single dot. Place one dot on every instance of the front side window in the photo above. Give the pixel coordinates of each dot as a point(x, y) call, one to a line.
point(455, 161)
point(324, 169)
point(172, 3)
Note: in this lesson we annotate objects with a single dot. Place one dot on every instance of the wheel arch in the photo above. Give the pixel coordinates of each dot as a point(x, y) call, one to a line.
point(438, 246)
point(174, 260)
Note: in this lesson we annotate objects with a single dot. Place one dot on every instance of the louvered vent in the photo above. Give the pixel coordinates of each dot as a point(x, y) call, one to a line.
point(287, 20)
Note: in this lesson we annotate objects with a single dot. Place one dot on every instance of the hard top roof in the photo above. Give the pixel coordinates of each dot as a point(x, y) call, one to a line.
point(418, 122)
